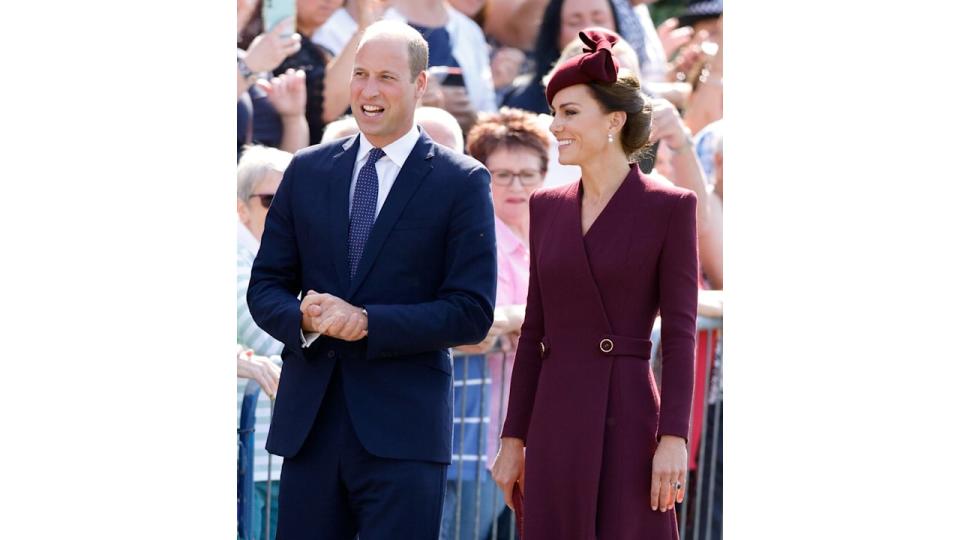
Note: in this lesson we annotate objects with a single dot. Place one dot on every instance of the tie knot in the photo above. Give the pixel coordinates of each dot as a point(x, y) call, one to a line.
point(375, 155)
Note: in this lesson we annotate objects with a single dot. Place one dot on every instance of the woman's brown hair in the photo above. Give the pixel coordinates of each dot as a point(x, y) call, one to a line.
point(509, 128)
point(625, 95)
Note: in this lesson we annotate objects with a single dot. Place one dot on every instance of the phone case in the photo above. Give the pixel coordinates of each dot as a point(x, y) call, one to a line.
point(275, 11)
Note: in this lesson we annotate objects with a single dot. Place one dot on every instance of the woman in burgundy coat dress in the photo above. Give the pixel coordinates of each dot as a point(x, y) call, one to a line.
point(596, 451)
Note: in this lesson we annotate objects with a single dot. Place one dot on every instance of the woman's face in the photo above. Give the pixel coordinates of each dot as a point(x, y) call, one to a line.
point(252, 212)
point(575, 15)
point(511, 203)
point(579, 124)
point(313, 13)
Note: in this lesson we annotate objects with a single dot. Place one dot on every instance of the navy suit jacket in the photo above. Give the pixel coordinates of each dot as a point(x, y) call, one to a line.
point(427, 278)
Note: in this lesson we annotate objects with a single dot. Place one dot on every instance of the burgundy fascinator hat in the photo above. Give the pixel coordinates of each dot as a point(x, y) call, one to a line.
point(596, 64)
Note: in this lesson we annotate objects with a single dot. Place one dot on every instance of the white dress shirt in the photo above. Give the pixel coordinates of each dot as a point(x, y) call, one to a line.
point(388, 168)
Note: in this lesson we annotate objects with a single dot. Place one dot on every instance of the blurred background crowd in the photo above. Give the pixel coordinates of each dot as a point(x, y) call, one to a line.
point(488, 60)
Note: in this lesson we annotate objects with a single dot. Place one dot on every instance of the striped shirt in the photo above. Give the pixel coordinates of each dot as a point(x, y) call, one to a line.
point(251, 336)
point(471, 418)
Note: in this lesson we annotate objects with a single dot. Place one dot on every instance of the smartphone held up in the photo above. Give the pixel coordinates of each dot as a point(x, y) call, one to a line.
point(277, 11)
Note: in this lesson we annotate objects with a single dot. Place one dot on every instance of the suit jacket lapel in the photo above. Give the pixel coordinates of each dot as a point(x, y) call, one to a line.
point(414, 169)
point(337, 206)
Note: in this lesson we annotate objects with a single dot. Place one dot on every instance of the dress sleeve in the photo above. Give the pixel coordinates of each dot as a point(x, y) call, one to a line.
point(526, 367)
point(678, 271)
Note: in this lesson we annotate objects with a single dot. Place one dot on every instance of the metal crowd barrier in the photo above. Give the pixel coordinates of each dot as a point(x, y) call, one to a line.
point(704, 520)
point(698, 523)
point(503, 525)
point(245, 431)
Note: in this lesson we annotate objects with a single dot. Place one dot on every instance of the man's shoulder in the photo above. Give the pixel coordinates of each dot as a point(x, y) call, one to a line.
point(459, 162)
point(319, 153)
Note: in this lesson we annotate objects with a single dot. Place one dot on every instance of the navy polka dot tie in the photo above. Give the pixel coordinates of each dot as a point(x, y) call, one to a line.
point(364, 208)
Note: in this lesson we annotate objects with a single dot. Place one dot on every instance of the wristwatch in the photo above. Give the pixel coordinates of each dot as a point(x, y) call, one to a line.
point(245, 70)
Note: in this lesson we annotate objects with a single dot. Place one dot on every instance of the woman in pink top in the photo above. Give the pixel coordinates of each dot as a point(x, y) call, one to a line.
point(514, 148)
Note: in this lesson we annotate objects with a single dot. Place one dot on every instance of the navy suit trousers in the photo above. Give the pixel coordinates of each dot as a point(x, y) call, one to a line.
point(333, 489)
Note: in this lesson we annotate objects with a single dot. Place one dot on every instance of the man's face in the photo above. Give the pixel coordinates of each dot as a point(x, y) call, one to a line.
point(252, 212)
point(382, 96)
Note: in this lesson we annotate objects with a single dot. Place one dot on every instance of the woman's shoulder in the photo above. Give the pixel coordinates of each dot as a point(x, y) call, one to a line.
point(659, 187)
point(550, 196)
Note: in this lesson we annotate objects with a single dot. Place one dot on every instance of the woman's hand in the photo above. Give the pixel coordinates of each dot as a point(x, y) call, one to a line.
point(671, 37)
point(669, 469)
point(268, 50)
point(508, 467)
point(260, 369)
point(667, 126)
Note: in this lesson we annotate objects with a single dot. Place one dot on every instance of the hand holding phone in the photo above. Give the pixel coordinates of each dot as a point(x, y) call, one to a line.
point(269, 49)
point(279, 11)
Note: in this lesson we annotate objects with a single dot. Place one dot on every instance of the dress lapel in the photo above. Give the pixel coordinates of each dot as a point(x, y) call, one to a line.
point(337, 206)
point(414, 169)
point(581, 275)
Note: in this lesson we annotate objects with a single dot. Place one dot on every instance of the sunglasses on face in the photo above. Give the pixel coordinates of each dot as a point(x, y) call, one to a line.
point(504, 177)
point(266, 199)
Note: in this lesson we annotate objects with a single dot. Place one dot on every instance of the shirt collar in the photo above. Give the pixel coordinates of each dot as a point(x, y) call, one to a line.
point(398, 151)
point(506, 238)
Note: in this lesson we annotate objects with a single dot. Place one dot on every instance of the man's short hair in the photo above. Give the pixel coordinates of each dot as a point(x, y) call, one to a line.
point(418, 52)
point(253, 167)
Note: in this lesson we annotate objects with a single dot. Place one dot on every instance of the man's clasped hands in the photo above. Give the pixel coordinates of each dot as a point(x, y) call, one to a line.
point(328, 315)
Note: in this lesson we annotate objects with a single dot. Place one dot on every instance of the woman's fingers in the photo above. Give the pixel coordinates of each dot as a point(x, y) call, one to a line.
point(665, 493)
point(655, 492)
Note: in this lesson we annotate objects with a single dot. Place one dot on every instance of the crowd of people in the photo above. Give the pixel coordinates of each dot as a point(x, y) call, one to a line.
point(490, 66)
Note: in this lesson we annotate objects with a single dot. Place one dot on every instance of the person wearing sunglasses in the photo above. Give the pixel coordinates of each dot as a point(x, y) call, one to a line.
point(258, 177)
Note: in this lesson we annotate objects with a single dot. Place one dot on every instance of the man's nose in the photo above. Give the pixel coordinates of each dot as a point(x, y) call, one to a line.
point(370, 88)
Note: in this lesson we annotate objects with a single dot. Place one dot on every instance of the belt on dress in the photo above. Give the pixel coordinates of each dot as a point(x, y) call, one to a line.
point(613, 345)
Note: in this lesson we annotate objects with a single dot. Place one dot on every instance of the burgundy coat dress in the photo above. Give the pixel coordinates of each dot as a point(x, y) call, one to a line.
point(583, 396)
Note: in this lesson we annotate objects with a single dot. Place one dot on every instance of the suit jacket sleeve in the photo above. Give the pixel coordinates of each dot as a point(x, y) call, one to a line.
point(678, 317)
point(526, 367)
point(275, 277)
point(463, 311)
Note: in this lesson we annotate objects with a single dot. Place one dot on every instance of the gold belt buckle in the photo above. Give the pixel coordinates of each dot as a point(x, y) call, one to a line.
point(606, 345)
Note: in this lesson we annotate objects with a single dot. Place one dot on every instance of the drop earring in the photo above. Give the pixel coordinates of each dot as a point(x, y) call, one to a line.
point(609, 137)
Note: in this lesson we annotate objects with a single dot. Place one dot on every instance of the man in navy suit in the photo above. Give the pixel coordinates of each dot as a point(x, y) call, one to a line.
point(388, 239)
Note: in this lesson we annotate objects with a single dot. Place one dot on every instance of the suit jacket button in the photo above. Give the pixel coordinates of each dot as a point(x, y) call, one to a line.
point(331, 354)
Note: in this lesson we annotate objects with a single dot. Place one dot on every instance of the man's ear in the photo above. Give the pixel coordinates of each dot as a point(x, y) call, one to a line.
point(421, 82)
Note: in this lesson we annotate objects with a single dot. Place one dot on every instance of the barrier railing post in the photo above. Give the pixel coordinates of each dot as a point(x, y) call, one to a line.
point(245, 433)
point(463, 440)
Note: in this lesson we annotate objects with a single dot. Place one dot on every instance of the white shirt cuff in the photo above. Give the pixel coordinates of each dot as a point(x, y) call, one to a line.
point(307, 339)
